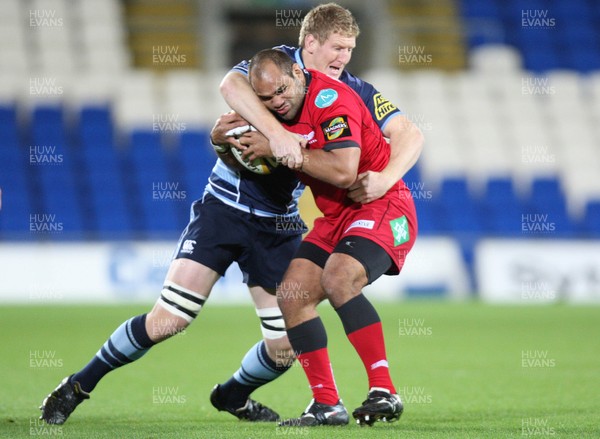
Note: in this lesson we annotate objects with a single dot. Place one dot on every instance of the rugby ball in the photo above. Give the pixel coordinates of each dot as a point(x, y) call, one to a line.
point(262, 166)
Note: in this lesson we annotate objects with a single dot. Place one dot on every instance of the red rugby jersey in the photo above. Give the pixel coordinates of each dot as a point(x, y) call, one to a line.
point(334, 116)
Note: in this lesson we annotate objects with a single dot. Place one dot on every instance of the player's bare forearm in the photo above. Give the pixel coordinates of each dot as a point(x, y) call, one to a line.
point(238, 94)
point(406, 144)
point(337, 167)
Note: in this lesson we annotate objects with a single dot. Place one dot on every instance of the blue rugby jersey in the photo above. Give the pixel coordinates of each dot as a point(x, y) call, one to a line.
point(278, 193)
point(263, 195)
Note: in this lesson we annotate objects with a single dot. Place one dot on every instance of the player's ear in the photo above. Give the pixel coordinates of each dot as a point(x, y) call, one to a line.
point(310, 43)
point(297, 71)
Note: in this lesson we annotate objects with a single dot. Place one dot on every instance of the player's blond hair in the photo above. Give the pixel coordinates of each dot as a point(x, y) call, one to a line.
point(323, 20)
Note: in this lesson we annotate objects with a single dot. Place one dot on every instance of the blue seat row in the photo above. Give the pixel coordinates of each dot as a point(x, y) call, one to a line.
point(501, 211)
point(80, 182)
point(551, 34)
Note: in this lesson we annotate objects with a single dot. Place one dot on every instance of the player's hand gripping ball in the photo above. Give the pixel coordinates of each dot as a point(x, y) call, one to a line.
point(259, 166)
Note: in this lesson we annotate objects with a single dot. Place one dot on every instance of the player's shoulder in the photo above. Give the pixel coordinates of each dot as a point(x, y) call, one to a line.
point(352, 80)
point(243, 66)
point(324, 91)
point(364, 89)
point(289, 50)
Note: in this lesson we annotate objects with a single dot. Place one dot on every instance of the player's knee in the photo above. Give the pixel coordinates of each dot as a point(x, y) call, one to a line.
point(176, 308)
point(333, 282)
point(286, 297)
point(339, 286)
point(272, 325)
point(295, 293)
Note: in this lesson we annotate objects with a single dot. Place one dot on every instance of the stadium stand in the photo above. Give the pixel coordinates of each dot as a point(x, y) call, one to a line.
point(88, 138)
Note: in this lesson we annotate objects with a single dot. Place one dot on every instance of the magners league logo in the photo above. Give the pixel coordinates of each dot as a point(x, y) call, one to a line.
point(335, 128)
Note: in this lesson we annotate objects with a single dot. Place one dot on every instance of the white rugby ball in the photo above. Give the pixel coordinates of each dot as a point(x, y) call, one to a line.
point(262, 166)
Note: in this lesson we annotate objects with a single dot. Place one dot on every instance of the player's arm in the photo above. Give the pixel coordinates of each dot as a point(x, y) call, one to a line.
point(336, 164)
point(238, 94)
point(406, 144)
point(224, 123)
point(220, 142)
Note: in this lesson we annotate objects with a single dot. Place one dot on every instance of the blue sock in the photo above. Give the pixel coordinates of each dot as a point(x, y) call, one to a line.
point(257, 369)
point(129, 342)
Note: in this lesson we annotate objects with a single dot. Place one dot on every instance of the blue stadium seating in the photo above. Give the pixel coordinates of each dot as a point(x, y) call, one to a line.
point(591, 221)
point(108, 195)
point(95, 127)
point(459, 212)
point(195, 160)
point(427, 216)
point(104, 190)
point(502, 208)
point(541, 58)
point(104, 186)
point(8, 125)
point(16, 193)
point(47, 126)
point(479, 9)
point(160, 196)
point(568, 38)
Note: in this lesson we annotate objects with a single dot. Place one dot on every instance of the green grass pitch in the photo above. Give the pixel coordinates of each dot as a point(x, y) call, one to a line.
point(464, 371)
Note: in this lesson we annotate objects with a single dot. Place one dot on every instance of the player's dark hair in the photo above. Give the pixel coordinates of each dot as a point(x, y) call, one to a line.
point(277, 57)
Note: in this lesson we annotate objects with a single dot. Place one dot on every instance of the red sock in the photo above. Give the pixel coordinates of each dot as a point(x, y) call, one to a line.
point(370, 346)
point(317, 368)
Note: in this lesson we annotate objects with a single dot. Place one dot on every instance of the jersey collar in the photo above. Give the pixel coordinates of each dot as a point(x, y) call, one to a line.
point(298, 57)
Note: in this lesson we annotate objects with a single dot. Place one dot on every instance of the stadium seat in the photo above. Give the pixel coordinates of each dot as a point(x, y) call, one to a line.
point(16, 192)
point(459, 211)
point(496, 59)
point(487, 135)
point(583, 59)
point(107, 60)
point(136, 101)
point(547, 190)
point(547, 200)
point(591, 220)
point(95, 128)
point(158, 193)
point(501, 206)
point(389, 82)
point(47, 127)
point(8, 119)
point(183, 92)
point(472, 8)
point(428, 216)
point(195, 159)
point(572, 11)
point(541, 59)
point(62, 201)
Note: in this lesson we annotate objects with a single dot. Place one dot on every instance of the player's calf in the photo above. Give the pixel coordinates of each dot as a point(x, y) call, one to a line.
point(275, 338)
